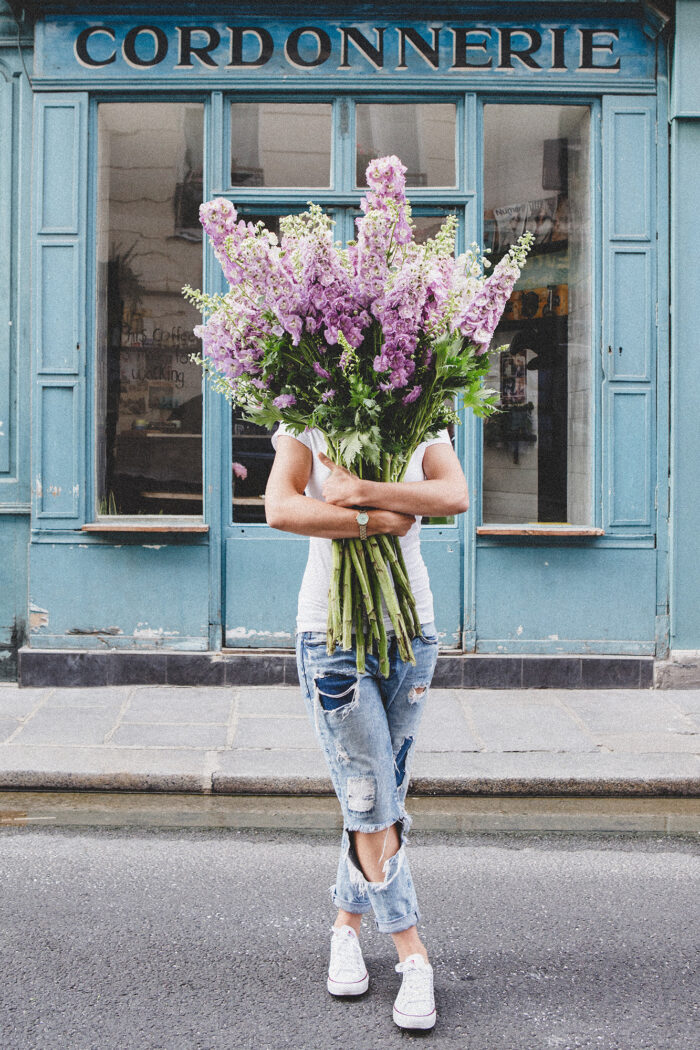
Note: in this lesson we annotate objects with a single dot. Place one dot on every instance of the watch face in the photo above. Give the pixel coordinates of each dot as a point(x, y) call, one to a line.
point(362, 517)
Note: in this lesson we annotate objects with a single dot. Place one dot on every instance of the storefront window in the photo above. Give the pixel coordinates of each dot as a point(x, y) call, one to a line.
point(281, 144)
point(149, 393)
point(538, 448)
point(423, 136)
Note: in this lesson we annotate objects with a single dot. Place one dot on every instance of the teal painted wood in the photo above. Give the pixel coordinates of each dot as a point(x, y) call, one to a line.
point(129, 595)
point(15, 193)
point(59, 315)
point(15, 204)
point(556, 599)
point(355, 46)
point(58, 307)
point(7, 379)
point(263, 576)
point(685, 355)
point(663, 419)
point(264, 572)
point(630, 463)
point(216, 413)
point(14, 540)
point(629, 312)
point(685, 85)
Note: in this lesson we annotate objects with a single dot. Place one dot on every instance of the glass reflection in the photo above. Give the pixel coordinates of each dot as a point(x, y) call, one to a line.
point(148, 393)
point(537, 450)
point(423, 136)
point(281, 144)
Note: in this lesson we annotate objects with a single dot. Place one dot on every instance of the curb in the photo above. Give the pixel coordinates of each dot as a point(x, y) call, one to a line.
point(313, 813)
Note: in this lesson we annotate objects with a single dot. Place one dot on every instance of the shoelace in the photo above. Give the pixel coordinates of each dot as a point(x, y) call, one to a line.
point(346, 949)
point(417, 982)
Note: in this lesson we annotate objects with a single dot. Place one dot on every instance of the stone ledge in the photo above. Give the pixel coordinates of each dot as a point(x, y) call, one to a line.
point(66, 667)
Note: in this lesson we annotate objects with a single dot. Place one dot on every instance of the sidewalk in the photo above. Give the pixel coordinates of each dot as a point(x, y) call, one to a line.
point(258, 741)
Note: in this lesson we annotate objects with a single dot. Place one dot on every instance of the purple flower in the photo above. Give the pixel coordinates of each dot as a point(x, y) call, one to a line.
point(310, 291)
point(240, 471)
point(320, 371)
point(412, 395)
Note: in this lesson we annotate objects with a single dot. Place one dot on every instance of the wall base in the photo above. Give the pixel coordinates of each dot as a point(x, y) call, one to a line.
point(680, 671)
point(44, 667)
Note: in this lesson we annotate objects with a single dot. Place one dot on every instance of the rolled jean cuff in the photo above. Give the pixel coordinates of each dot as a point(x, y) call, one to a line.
point(352, 906)
point(397, 925)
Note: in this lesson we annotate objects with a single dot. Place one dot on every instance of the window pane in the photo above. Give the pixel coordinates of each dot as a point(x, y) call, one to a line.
point(422, 136)
point(537, 450)
point(281, 144)
point(149, 399)
point(426, 226)
point(252, 459)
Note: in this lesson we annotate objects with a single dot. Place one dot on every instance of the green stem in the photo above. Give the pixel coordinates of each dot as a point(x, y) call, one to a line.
point(347, 599)
point(399, 567)
point(334, 613)
point(382, 643)
point(392, 603)
point(361, 571)
point(389, 549)
point(359, 628)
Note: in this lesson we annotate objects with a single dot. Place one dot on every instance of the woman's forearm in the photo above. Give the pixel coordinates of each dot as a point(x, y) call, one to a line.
point(312, 517)
point(430, 498)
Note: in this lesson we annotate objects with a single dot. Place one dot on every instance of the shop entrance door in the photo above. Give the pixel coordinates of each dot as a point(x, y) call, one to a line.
point(283, 153)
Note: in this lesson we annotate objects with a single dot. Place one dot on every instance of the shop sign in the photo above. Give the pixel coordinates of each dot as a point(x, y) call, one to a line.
point(95, 49)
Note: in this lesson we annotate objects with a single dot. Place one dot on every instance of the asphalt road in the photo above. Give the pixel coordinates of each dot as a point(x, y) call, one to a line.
point(205, 940)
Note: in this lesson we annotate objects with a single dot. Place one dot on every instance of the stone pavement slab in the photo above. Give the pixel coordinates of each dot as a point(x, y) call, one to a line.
point(259, 739)
point(521, 722)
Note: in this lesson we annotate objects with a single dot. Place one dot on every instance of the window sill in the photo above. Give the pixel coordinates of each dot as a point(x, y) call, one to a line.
point(538, 530)
point(146, 525)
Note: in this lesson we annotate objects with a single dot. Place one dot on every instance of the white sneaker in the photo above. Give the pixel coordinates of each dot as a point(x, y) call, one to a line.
point(347, 973)
point(415, 1003)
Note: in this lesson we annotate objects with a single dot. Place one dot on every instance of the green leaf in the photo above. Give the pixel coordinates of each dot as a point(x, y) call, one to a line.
point(350, 448)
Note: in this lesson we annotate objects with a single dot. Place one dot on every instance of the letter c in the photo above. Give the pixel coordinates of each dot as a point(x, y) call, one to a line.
point(81, 51)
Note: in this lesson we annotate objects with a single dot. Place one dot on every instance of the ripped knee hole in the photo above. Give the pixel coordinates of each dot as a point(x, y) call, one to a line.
point(417, 693)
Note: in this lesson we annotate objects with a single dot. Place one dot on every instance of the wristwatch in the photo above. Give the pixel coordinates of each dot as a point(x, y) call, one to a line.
point(362, 518)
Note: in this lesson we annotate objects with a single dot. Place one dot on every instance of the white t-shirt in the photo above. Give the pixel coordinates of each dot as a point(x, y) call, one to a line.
point(312, 613)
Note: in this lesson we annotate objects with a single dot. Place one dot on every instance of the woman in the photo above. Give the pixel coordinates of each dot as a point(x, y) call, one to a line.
point(367, 725)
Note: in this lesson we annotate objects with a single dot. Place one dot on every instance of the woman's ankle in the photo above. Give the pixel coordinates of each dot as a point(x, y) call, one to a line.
point(348, 918)
point(407, 942)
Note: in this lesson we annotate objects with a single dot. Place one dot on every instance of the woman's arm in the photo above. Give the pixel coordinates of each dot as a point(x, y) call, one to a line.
point(443, 492)
point(288, 509)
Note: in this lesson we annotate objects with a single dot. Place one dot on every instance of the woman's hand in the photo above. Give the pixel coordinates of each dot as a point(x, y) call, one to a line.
point(343, 488)
point(389, 523)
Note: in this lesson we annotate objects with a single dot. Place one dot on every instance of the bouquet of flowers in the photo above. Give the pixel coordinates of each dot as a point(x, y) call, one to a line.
point(372, 344)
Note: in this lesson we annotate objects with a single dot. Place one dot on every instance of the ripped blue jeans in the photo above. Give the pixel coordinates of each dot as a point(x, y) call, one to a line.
point(367, 728)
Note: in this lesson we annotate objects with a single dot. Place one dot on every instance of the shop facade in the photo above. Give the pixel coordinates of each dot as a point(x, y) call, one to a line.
point(136, 527)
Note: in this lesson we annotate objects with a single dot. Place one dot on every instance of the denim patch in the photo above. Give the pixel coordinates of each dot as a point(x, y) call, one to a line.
point(400, 760)
point(335, 690)
point(362, 792)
